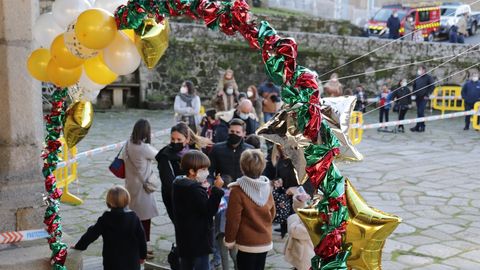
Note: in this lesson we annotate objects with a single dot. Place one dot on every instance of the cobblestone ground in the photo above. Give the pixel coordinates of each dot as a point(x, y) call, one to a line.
point(431, 180)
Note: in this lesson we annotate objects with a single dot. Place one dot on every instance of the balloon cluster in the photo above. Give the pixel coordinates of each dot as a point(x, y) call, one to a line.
point(81, 44)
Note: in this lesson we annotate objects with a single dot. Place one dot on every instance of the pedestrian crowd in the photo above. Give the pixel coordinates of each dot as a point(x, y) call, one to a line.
point(222, 186)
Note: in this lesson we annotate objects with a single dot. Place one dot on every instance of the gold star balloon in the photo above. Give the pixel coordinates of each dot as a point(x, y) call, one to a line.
point(367, 230)
point(152, 42)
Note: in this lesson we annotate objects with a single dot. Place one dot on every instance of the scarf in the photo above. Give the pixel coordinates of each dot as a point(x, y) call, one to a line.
point(187, 99)
point(258, 190)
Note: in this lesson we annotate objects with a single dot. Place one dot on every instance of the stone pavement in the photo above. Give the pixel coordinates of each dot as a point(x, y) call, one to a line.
point(430, 179)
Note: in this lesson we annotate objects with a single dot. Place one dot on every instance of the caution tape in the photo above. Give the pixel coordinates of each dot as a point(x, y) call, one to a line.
point(415, 120)
point(432, 97)
point(99, 150)
point(29, 235)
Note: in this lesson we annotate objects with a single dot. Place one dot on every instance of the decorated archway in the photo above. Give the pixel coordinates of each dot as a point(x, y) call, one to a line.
point(97, 46)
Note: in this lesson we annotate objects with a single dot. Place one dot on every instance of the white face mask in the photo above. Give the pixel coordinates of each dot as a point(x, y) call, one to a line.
point(395, 15)
point(420, 72)
point(244, 116)
point(404, 84)
point(475, 78)
point(183, 90)
point(229, 91)
point(202, 175)
point(249, 94)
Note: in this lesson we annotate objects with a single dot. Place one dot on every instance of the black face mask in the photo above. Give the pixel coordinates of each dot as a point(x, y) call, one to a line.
point(234, 139)
point(177, 147)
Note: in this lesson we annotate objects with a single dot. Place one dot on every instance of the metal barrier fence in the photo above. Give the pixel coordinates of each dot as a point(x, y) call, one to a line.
point(475, 117)
point(67, 174)
point(448, 98)
point(356, 134)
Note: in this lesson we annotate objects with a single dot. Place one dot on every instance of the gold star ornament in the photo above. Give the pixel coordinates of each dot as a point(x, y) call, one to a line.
point(367, 230)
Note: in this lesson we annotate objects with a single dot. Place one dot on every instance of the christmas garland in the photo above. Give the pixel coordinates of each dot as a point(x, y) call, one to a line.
point(299, 91)
point(52, 219)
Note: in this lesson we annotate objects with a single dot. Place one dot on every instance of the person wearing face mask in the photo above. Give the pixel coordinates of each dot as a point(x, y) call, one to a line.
point(423, 87)
point(187, 106)
point(393, 25)
point(404, 100)
point(471, 95)
point(409, 27)
point(244, 111)
point(225, 156)
point(252, 95)
point(138, 155)
point(182, 139)
point(194, 208)
point(333, 88)
point(271, 99)
point(227, 92)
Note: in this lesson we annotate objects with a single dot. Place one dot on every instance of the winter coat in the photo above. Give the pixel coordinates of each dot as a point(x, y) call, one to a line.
point(142, 156)
point(250, 213)
point(186, 106)
point(471, 92)
point(210, 131)
point(361, 103)
point(333, 89)
point(123, 239)
point(426, 84)
point(226, 160)
point(409, 29)
point(393, 25)
point(227, 101)
point(298, 247)
point(194, 210)
point(402, 97)
point(384, 101)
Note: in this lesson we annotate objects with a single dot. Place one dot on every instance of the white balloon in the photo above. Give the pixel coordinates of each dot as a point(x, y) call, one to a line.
point(109, 5)
point(121, 56)
point(46, 30)
point(66, 11)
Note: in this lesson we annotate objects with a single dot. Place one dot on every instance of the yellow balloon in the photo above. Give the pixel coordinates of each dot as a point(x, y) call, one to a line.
point(95, 28)
point(98, 72)
point(62, 56)
point(37, 64)
point(63, 77)
point(78, 122)
point(130, 33)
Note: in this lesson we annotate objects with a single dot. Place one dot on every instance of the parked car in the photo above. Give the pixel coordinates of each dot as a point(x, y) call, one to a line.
point(451, 12)
point(426, 17)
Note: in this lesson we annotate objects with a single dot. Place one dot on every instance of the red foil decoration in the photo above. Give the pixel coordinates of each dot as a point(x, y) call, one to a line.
point(318, 171)
point(332, 243)
point(307, 80)
point(61, 256)
point(313, 126)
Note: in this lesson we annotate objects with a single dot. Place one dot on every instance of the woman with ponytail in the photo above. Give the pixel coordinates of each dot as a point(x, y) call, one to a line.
point(182, 139)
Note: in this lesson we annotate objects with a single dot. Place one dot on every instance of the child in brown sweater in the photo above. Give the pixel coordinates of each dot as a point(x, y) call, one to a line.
point(250, 213)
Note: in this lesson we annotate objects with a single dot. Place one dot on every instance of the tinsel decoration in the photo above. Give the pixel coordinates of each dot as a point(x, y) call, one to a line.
point(299, 91)
point(52, 219)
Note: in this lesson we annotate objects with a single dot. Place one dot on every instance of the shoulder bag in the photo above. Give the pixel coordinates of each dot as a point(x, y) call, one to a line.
point(117, 167)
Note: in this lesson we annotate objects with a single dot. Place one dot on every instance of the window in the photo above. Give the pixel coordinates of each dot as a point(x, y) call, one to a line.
point(424, 16)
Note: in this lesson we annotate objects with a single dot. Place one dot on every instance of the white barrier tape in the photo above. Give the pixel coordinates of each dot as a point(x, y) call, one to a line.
point(14, 237)
point(376, 99)
point(413, 121)
point(96, 151)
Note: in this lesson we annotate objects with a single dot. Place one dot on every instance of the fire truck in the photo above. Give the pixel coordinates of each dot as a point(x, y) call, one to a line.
point(426, 18)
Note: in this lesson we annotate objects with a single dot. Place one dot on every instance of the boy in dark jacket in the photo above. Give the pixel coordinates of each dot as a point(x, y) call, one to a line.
point(423, 87)
point(124, 244)
point(194, 208)
point(403, 99)
point(471, 95)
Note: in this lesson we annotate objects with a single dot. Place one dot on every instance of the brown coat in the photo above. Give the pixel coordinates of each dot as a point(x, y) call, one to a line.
point(249, 225)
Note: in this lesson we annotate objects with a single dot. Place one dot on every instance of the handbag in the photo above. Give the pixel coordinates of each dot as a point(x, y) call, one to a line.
point(117, 167)
point(152, 182)
point(174, 258)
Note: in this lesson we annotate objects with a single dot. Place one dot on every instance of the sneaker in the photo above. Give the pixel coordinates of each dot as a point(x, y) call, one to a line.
point(414, 129)
point(466, 128)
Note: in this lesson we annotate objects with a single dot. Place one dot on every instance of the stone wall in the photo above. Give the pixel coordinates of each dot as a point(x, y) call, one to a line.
point(199, 54)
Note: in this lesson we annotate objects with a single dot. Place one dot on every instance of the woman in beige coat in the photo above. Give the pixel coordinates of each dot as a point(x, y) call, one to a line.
point(298, 247)
point(138, 156)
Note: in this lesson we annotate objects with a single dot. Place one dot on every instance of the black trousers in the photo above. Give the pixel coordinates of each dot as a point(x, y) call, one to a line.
point(421, 104)
point(383, 112)
point(251, 261)
point(468, 107)
point(401, 115)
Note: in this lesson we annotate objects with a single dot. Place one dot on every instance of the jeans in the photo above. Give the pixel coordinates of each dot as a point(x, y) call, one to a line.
point(468, 107)
point(267, 116)
point(421, 104)
point(384, 112)
point(251, 261)
point(401, 115)
point(196, 263)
